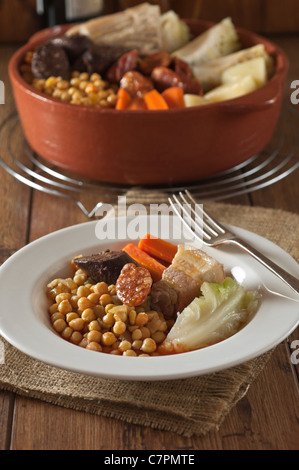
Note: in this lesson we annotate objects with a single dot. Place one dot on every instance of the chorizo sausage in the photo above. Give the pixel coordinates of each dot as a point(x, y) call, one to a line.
point(136, 84)
point(133, 285)
point(126, 63)
point(157, 59)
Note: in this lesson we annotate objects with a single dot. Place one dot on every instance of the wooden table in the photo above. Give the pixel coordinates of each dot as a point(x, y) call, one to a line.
point(267, 418)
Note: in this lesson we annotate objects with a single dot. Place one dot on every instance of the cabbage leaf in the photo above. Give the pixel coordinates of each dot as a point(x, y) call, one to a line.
point(221, 311)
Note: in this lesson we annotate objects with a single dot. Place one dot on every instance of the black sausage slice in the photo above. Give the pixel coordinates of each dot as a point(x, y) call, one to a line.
point(105, 266)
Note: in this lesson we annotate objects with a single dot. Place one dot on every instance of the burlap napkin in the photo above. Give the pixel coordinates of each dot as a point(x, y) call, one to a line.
point(188, 407)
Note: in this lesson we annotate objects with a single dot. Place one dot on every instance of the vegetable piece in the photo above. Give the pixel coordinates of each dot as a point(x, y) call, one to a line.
point(220, 313)
point(155, 101)
point(144, 260)
point(137, 103)
point(232, 90)
point(158, 248)
point(123, 99)
point(256, 68)
point(133, 285)
point(175, 32)
point(194, 100)
point(218, 41)
point(174, 97)
point(210, 74)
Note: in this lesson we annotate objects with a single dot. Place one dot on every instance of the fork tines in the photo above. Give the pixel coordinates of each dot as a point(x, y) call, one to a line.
point(195, 217)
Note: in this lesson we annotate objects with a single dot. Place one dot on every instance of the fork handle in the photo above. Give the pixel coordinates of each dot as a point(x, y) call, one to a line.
point(286, 277)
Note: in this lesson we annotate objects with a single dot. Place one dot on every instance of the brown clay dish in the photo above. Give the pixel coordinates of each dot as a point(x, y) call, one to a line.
point(149, 147)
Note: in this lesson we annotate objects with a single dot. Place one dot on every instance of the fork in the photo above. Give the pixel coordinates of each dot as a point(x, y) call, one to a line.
point(213, 234)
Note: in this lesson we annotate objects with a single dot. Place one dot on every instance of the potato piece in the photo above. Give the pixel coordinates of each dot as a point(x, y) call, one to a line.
point(232, 90)
point(194, 100)
point(256, 68)
point(210, 75)
point(220, 40)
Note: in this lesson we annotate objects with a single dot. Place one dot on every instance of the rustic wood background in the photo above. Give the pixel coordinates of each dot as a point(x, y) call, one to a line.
point(18, 18)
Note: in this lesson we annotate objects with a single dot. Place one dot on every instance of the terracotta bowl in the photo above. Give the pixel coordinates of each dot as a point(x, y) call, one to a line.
point(149, 147)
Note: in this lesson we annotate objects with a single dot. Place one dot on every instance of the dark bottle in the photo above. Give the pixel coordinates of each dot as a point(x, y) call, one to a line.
point(68, 11)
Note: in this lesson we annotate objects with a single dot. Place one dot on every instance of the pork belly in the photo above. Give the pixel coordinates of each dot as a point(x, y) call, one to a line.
point(182, 281)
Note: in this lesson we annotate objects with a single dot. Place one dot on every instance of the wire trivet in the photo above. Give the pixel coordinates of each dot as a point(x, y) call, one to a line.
point(273, 164)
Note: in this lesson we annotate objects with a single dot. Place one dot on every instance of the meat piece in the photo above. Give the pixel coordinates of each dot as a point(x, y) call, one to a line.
point(198, 265)
point(126, 63)
point(150, 62)
point(164, 77)
point(136, 84)
point(97, 59)
point(105, 266)
point(186, 287)
point(183, 279)
point(133, 285)
point(164, 299)
point(74, 45)
point(50, 60)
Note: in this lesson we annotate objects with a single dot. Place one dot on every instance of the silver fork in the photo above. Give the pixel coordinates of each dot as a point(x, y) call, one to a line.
point(214, 234)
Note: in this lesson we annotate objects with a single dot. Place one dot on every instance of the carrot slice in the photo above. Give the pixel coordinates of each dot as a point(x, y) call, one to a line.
point(123, 99)
point(174, 97)
point(155, 101)
point(137, 103)
point(158, 248)
point(144, 260)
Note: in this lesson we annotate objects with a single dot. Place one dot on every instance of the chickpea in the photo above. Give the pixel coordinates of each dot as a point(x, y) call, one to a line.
point(53, 308)
point(94, 325)
point(79, 279)
point(83, 291)
point(105, 299)
point(57, 316)
point(119, 327)
point(59, 325)
point(141, 319)
point(108, 339)
point(71, 316)
point(77, 324)
point(88, 315)
point(94, 347)
point(136, 335)
point(65, 307)
point(84, 303)
point(60, 297)
point(148, 346)
point(100, 288)
point(158, 336)
point(125, 345)
point(145, 332)
point(108, 319)
point(130, 353)
point(76, 337)
point(137, 344)
point(94, 336)
point(67, 332)
point(132, 317)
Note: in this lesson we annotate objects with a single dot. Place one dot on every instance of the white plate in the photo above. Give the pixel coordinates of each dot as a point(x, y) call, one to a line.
point(24, 320)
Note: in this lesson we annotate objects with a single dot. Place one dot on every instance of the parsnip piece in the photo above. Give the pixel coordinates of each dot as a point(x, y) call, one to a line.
point(194, 100)
point(175, 32)
point(218, 41)
point(134, 28)
point(256, 68)
point(232, 90)
point(210, 75)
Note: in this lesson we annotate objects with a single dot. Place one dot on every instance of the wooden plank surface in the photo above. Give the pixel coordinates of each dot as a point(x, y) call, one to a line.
point(19, 20)
point(266, 418)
